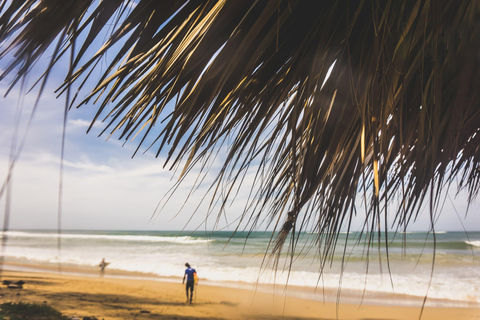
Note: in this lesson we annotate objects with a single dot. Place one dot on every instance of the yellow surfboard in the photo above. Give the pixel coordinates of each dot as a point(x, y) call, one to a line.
point(195, 278)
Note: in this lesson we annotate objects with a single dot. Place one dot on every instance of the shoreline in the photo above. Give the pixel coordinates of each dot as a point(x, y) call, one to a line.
point(318, 295)
point(111, 298)
point(156, 255)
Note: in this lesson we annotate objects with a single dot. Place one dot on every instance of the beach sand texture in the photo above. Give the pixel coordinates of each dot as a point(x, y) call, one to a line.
point(118, 298)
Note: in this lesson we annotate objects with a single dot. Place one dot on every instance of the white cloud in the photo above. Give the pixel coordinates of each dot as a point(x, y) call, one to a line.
point(78, 123)
point(82, 124)
point(88, 166)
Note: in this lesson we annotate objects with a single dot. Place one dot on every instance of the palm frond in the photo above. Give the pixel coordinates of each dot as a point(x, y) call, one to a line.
point(398, 116)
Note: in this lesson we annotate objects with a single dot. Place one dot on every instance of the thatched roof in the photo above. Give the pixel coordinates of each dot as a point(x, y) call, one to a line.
point(398, 116)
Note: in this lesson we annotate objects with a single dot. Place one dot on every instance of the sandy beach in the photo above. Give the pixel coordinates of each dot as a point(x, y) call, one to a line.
point(112, 298)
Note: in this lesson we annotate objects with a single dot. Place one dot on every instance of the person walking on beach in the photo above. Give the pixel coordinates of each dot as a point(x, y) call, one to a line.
point(102, 266)
point(190, 274)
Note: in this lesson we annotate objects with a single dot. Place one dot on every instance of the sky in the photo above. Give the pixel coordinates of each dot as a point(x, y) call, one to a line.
point(105, 189)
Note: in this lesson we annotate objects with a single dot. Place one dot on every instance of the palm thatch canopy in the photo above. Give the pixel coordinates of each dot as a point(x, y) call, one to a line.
point(397, 117)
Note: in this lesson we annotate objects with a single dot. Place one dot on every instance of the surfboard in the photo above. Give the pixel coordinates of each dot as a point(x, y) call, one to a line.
point(195, 278)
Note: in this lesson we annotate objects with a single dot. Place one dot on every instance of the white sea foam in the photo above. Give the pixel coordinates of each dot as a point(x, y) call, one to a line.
point(170, 265)
point(442, 286)
point(455, 279)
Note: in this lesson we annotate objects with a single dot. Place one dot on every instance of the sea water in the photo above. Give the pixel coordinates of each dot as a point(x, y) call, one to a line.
point(445, 266)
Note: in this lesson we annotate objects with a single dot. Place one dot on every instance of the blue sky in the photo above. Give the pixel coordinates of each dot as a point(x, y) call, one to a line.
point(104, 188)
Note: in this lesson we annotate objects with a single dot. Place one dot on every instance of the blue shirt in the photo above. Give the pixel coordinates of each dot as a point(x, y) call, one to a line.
point(189, 272)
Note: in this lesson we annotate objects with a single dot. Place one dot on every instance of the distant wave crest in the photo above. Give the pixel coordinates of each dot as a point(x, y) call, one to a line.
point(130, 238)
point(422, 232)
point(473, 243)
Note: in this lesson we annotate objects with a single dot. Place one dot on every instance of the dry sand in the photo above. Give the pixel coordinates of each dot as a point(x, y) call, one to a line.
point(118, 298)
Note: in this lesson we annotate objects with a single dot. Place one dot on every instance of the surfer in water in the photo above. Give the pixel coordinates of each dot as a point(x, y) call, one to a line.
point(102, 266)
point(191, 275)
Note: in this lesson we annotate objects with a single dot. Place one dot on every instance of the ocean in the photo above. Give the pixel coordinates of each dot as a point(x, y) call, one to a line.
point(238, 261)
